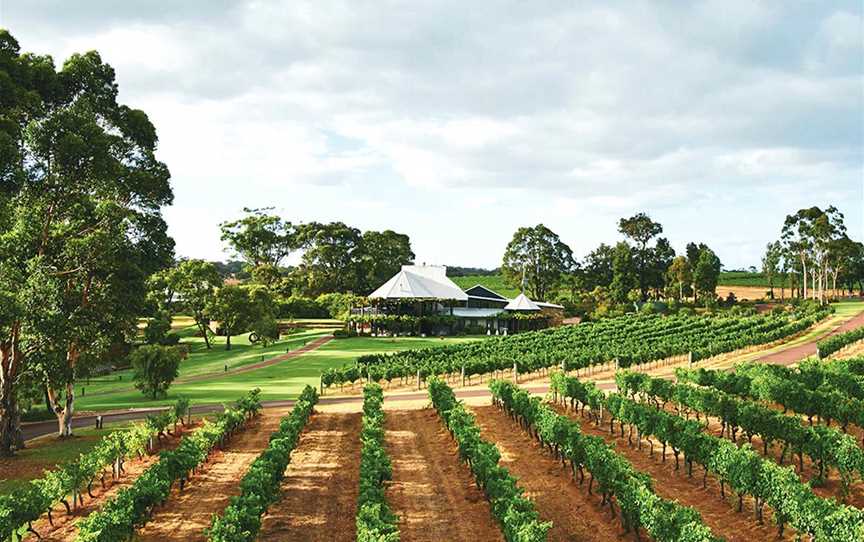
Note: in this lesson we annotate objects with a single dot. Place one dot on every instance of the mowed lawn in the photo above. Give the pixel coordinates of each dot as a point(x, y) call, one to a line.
point(284, 380)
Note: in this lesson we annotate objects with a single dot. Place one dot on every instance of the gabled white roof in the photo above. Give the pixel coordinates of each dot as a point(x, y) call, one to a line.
point(521, 303)
point(420, 282)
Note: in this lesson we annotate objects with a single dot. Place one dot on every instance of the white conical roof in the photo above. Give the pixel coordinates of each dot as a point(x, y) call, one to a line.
point(521, 303)
point(419, 282)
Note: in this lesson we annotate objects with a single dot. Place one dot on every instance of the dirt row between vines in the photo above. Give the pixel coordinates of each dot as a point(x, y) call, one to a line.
point(321, 484)
point(65, 527)
point(432, 492)
point(187, 513)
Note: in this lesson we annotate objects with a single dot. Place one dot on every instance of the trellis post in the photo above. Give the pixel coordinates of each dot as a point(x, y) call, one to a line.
point(515, 373)
point(463, 375)
point(418, 379)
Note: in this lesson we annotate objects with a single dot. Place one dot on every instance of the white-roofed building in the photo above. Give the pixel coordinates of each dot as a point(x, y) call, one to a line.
point(424, 297)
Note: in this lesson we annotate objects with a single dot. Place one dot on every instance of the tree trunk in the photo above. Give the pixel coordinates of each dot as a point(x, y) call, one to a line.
point(203, 327)
point(10, 420)
point(227, 341)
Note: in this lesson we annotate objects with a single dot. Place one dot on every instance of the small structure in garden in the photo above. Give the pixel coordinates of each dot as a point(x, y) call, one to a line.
point(422, 300)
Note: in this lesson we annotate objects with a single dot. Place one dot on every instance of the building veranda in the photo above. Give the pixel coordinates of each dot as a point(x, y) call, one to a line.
point(422, 300)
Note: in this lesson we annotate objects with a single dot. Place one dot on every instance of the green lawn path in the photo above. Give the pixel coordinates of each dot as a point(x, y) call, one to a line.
point(277, 382)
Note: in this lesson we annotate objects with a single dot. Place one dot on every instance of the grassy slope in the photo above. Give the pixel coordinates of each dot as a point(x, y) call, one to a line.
point(493, 282)
point(202, 361)
point(281, 381)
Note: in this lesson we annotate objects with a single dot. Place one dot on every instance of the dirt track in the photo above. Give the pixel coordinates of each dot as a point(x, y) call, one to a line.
point(575, 514)
point(433, 494)
point(187, 513)
point(319, 492)
point(795, 354)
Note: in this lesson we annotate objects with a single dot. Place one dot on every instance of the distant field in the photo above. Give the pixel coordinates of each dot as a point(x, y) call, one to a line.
point(493, 282)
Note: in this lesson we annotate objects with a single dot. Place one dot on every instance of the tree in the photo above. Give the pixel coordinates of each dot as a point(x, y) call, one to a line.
point(232, 308)
point(680, 276)
point(82, 227)
point(194, 282)
point(264, 327)
point(624, 276)
point(809, 235)
point(641, 229)
point(597, 268)
point(660, 258)
point(538, 255)
point(261, 238)
point(771, 263)
point(706, 274)
point(154, 369)
point(158, 328)
point(383, 254)
point(331, 261)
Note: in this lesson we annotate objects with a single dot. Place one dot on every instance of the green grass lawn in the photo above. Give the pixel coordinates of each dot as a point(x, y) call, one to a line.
point(202, 361)
point(281, 381)
point(848, 308)
point(493, 282)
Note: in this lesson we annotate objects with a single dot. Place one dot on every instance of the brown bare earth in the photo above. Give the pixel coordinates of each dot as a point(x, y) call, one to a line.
point(575, 514)
point(430, 486)
point(65, 525)
point(319, 492)
point(719, 515)
point(186, 514)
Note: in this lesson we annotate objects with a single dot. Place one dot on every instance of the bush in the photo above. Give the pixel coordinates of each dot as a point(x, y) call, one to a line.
point(264, 330)
point(155, 368)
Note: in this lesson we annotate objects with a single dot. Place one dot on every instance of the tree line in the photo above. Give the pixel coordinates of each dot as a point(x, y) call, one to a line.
point(642, 267)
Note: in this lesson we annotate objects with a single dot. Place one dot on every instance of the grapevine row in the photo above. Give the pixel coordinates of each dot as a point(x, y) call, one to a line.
point(747, 473)
point(375, 521)
point(641, 507)
point(23, 506)
point(777, 384)
point(517, 516)
point(832, 344)
point(133, 506)
point(259, 488)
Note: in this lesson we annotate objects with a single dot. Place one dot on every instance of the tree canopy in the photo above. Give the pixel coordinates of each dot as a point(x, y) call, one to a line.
point(539, 256)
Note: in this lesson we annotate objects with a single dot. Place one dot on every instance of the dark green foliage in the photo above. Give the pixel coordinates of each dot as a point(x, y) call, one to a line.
point(375, 521)
point(155, 368)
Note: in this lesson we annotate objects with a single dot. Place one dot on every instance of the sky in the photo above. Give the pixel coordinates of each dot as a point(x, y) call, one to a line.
point(458, 122)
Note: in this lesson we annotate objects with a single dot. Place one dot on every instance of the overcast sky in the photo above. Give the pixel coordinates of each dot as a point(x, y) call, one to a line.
point(457, 122)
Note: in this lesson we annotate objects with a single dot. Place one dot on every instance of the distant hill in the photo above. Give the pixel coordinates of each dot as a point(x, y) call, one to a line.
point(493, 282)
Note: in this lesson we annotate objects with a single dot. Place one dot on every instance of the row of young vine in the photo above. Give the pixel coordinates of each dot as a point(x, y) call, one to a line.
point(259, 488)
point(629, 340)
point(517, 515)
point(812, 391)
point(133, 506)
point(375, 521)
point(641, 507)
point(741, 468)
point(834, 343)
point(826, 447)
point(21, 507)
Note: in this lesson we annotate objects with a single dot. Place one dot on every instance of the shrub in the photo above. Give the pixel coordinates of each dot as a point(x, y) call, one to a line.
point(155, 368)
point(301, 307)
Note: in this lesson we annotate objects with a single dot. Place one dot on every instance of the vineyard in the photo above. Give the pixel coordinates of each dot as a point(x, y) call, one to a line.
point(759, 452)
point(628, 341)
